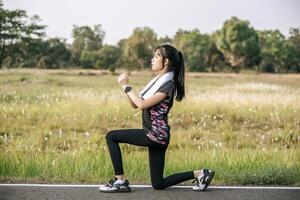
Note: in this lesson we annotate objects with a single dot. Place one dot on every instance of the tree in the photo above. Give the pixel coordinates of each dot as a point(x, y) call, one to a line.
point(108, 56)
point(214, 57)
point(276, 51)
point(51, 53)
point(123, 62)
point(32, 52)
point(15, 29)
point(239, 43)
point(55, 54)
point(164, 40)
point(88, 59)
point(294, 41)
point(138, 48)
point(195, 47)
point(86, 39)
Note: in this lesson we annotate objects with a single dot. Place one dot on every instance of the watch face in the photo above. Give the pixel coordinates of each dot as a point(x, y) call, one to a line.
point(128, 89)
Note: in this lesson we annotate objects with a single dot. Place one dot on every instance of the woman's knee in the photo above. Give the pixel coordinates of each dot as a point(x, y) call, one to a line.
point(110, 135)
point(158, 185)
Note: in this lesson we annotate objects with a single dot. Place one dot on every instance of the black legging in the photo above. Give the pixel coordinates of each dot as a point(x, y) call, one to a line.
point(156, 156)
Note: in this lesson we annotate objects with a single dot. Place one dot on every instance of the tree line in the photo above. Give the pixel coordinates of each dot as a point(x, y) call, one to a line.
point(236, 45)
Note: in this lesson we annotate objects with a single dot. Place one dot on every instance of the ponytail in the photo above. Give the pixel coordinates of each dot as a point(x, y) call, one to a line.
point(176, 65)
point(179, 78)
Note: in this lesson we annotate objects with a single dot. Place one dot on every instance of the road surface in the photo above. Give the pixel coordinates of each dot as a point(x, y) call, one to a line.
point(140, 192)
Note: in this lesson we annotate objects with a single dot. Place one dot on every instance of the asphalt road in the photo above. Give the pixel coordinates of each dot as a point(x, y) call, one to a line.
point(138, 193)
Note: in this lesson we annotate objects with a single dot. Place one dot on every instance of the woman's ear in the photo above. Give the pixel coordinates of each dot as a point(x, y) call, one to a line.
point(166, 62)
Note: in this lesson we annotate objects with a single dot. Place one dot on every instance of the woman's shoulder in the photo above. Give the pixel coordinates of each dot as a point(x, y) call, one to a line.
point(170, 83)
point(167, 88)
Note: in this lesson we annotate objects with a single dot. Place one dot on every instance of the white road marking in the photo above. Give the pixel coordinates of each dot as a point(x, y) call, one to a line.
point(149, 186)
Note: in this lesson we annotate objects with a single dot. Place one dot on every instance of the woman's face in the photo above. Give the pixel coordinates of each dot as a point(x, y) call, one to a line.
point(156, 61)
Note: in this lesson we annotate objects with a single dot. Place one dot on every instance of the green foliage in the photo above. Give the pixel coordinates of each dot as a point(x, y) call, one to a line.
point(164, 40)
point(54, 54)
point(86, 40)
point(51, 53)
point(88, 51)
point(294, 41)
point(215, 58)
point(199, 50)
point(272, 45)
point(138, 48)
point(16, 30)
point(108, 57)
point(88, 58)
point(238, 42)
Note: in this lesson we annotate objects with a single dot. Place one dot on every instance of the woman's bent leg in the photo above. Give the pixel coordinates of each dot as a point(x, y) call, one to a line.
point(157, 162)
point(130, 136)
point(156, 156)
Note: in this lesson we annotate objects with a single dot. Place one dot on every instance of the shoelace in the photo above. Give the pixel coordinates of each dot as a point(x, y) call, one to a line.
point(111, 183)
point(201, 179)
point(196, 180)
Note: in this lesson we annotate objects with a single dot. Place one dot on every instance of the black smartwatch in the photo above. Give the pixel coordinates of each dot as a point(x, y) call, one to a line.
point(127, 89)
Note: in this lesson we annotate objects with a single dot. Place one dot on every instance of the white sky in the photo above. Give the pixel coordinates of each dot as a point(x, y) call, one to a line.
point(119, 17)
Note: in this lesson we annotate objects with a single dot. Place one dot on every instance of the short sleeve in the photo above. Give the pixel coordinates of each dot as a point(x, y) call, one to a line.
point(167, 88)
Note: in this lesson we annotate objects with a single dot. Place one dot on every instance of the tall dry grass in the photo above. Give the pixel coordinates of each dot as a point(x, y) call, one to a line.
point(53, 124)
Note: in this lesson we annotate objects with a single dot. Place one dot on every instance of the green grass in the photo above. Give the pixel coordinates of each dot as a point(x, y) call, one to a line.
point(53, 123)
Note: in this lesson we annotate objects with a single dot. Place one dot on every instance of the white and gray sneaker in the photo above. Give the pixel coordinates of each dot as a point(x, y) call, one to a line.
point(115, 185)
point(203, 180)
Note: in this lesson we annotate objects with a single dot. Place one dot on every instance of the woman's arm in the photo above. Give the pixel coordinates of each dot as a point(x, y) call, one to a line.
point(131, 103)
point(143, 104)
point(135, 100)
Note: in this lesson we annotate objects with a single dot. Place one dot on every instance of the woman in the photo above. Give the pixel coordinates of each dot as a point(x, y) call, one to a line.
point(155, 101)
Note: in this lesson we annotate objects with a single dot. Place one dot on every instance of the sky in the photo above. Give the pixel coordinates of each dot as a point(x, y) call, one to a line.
point(119, 17)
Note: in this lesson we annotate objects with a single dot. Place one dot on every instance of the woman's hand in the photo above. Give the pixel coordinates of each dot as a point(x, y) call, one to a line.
point(123, 80)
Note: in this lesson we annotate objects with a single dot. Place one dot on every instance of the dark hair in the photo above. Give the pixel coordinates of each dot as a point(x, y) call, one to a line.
point(176, 64)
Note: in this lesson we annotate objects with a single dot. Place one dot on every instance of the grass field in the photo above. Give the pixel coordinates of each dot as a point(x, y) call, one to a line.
point(53, 123)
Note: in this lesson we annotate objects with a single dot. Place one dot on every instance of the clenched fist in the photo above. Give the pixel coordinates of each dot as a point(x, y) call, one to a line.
point(123, 79)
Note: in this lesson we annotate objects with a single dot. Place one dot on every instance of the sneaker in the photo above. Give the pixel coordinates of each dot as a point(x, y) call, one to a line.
point(115, 185)
point(203, 180)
